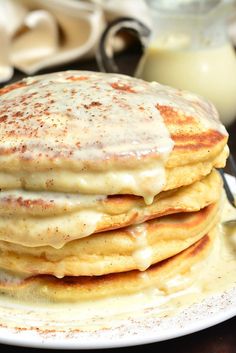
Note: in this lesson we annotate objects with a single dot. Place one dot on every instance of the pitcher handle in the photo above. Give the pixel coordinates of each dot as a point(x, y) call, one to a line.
point(104, 54)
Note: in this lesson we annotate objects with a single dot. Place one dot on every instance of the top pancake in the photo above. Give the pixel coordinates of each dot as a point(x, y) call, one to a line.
point(103, 134)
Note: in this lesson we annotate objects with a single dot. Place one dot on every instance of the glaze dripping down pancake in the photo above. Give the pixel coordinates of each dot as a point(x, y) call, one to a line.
point(121, 250)
point(105, 134)
point(74, 289)
point(42, 218)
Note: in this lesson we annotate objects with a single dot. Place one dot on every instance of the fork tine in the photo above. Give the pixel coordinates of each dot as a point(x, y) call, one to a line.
point(232, 166)
point(229, 194)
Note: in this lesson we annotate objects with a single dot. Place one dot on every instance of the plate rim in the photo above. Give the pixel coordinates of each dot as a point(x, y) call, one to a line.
point(43, 343)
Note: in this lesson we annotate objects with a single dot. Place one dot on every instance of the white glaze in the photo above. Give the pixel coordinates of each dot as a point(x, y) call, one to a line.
point(96, 128)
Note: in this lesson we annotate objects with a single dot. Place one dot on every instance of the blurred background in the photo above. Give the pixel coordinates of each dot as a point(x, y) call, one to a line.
point(188, 44)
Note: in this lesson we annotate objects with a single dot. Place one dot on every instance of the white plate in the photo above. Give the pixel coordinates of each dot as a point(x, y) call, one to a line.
point(44, 328)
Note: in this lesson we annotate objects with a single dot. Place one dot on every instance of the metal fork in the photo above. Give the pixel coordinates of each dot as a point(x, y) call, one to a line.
point(229, 193)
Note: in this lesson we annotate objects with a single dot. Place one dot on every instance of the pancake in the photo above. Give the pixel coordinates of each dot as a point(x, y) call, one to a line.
point(96, 133)
point(39, 219)
point(72, 289)
point(124, 249)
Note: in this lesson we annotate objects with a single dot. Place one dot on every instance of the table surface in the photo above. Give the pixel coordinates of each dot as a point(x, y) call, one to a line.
point(217, 339)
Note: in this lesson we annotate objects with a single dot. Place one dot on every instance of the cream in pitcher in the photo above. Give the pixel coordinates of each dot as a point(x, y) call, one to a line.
point(189, 49)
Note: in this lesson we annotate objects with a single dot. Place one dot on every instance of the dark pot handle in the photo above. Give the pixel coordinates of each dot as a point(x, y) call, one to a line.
point(104, 54)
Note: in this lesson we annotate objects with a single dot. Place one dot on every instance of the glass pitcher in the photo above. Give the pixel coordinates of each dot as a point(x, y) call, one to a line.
point(187, 48)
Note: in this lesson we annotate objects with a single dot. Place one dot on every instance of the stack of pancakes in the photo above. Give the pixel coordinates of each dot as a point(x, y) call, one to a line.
point(107, 185)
